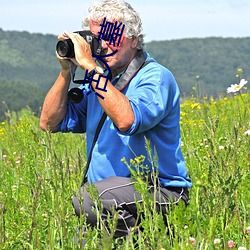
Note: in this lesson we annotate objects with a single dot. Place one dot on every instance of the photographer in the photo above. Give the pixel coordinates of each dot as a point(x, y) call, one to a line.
point(141, 101)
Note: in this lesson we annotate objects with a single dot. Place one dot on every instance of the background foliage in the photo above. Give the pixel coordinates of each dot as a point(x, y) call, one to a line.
point(210, 63)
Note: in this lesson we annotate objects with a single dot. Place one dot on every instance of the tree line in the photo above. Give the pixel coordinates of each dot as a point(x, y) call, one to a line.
point(202, 67)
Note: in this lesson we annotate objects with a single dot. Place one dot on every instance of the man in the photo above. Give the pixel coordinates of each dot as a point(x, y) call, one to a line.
point(141, 101)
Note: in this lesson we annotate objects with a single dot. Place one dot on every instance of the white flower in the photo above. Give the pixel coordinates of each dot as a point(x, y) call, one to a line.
point(248, 230)
point(237, 87)
point(192, 240)
point(242, 248)
point(247, 133)
point(22, 210)
point(217, 241)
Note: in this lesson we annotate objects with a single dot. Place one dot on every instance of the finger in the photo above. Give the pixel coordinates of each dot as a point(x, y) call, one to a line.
point(73, 60)
point(75, 37)
point(69, 34)
point(62, 36)
point(59, 57)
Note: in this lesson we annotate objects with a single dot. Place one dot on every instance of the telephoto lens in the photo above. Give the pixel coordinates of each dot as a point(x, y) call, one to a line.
point(65, 48)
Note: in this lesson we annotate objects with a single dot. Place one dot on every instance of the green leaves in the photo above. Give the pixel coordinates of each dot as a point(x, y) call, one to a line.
point(40, 172)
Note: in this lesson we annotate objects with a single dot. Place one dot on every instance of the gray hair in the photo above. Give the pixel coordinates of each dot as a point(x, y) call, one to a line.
point(120, 11)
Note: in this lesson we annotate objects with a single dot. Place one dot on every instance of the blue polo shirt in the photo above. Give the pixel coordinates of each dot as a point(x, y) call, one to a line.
point(154, 97)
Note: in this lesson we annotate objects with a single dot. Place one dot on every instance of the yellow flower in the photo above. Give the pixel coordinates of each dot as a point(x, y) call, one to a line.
point(183, 113)
point(240, 70)
point(132, 162)
point(195, 105)
point(138, 160)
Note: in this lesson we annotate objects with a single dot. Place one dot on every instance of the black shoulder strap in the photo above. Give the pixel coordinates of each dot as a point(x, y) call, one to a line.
point(97, 132)
point(136, 64)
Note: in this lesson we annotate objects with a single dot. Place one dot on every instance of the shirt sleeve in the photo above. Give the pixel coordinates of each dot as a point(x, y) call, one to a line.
point(75, 118)
point(154, 96)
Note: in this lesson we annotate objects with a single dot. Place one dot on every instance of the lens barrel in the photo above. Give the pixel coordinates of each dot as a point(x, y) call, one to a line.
point(75, 95)
point(65, 48)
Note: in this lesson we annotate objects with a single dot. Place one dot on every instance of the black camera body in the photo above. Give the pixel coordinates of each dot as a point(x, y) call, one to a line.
point(65, 48)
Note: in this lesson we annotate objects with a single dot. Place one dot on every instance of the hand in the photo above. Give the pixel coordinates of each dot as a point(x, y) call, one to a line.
point(83, 54)
point(66, 63)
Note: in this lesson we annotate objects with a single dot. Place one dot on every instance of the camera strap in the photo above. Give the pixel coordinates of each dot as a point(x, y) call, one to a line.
point(136, 64)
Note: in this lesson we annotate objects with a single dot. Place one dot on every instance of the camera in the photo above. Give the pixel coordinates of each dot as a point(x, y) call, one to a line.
point(65, 48)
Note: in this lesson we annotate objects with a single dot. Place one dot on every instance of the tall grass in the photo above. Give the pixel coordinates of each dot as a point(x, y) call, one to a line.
point(40, 172)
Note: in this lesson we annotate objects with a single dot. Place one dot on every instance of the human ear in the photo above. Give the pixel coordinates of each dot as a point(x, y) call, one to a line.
point(134, 42)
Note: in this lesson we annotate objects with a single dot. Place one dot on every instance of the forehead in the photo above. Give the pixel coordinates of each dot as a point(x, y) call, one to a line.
point(95, 27)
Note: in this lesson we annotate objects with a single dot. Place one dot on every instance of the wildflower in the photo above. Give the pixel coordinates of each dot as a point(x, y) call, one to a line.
point(248, 230)
point(216, 241)
point(198, 182)
point(192, 240)
point(45, 216)
point(14, 188)
point(237, 87)
point(247, 133)
point(240, 70)
point(195, 106)
point(137, 159)
point(242, 248)
point(230, 244)
point(132, 162)
point(123, 159)
point(221, 147)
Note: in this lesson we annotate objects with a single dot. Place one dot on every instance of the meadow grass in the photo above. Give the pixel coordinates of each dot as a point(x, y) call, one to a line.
point(40, 172)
